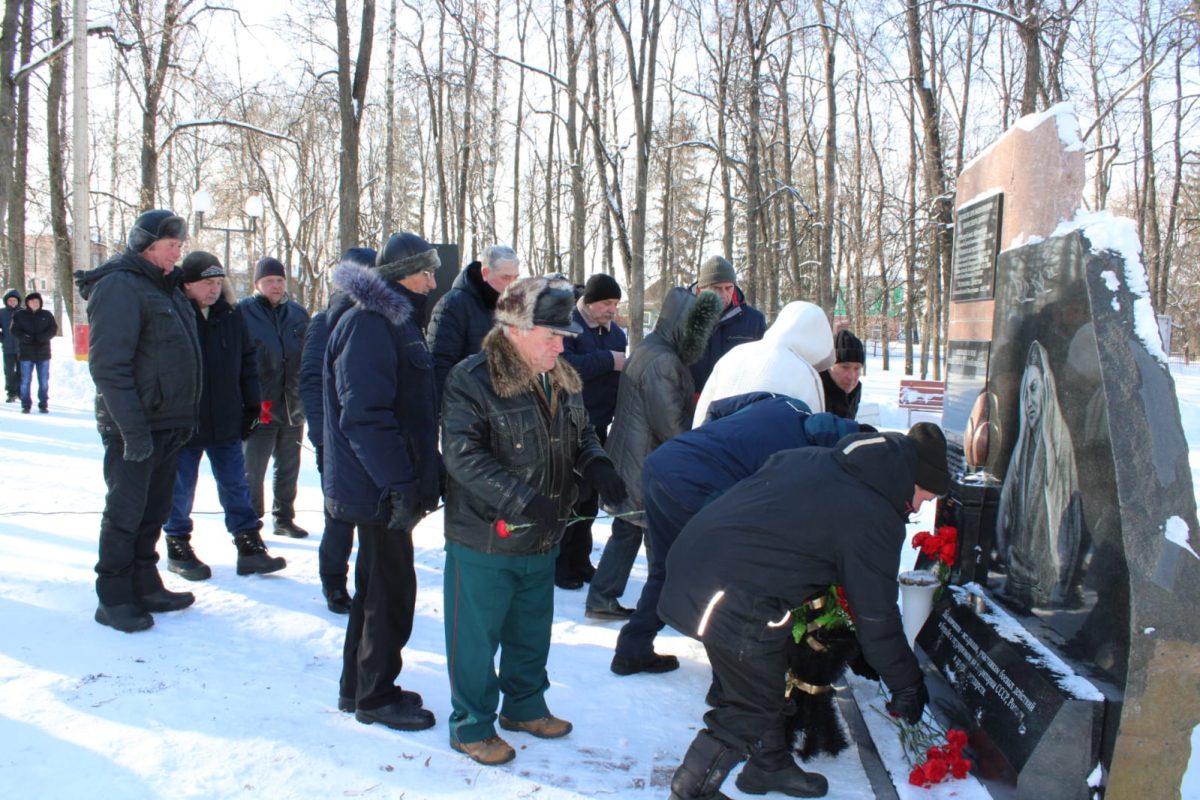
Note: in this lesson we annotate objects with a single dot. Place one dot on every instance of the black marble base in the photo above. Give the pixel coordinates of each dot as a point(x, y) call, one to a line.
point(1034, 724)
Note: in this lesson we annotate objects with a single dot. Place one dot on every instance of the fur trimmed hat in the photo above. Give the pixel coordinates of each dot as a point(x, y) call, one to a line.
point(545, 300)
point(406, 254)
point(933, 475)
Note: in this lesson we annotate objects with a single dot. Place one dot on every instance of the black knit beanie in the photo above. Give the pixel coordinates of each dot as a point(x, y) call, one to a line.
point(932, 473)
point(848, 347)
point(601, 287)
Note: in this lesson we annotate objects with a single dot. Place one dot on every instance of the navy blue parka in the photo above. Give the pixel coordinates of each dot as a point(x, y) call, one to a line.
point(591, 354)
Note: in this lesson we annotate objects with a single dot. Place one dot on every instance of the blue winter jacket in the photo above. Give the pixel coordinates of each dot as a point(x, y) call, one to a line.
point(739, 324)
point(460, 320)
point(311, 381)
point(380, 410)
point(739, 435)
point(590, 353)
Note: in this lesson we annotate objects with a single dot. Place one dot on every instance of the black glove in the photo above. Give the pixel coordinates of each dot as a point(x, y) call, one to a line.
point(138, 446)
point(406, 511)
point(601, 476)
point(542, 511)
point(249, 421)
point(908, 704)
point(859, 666)
point(320, 450)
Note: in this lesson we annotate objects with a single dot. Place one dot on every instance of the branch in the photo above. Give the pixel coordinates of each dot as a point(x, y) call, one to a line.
point(58, 49)
point(233, 123)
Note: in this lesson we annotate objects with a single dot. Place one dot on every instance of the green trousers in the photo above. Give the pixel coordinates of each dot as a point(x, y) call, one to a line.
point(496, 602)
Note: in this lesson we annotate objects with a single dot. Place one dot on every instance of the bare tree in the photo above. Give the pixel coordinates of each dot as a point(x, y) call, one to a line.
point(352, 97)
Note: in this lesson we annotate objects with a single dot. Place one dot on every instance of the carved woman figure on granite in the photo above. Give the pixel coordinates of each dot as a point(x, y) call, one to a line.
point(1040, 520)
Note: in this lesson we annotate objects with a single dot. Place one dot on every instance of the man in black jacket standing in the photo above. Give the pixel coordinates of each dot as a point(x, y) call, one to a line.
point(34, 328)
point(229, 405)
point(277, 327)
point(8, 342)
point(382, 471)
point(598, 355)
point(145, 360)
point(463, 315)
point(337, 541)
point(810, 518)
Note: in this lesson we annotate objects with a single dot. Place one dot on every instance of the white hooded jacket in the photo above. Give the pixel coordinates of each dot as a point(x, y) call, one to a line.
point(787, 361)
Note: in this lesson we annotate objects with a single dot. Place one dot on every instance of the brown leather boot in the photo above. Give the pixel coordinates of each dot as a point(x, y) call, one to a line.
point(490, 752)
point(548, 727)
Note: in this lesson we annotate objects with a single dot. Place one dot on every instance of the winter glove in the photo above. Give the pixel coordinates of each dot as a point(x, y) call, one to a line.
point(909, 703)
point(250, 421)
point(542, 511)
point(138, 446)
point(406, 511)
point(859, 666)
point(601, 476)
point(320, 449)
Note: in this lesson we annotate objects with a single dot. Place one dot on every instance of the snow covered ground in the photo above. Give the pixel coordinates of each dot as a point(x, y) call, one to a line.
point(236, 696)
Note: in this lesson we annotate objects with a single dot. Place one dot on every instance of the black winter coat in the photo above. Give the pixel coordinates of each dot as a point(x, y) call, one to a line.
point(503, 445)
point(657, 399)
point(380, 408)
point(230, 373)
point(739, 324)
point(311, 380)
point(837, 401)
point(34, 331)
point(808, 519)
point(460, 320)
point(278, 336)
point(7, 339)
point(143, 352)
point(590, 353)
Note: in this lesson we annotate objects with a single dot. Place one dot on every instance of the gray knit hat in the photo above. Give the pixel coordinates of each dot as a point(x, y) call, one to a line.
point(716, 269)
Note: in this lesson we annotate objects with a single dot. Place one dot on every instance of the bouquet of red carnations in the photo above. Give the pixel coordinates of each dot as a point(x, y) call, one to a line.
point(941, 547)
point(942, 762)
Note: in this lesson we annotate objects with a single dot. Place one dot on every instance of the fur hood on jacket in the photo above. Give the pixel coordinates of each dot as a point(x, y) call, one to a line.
point(370, 292)
point(687, 322)
point(511, 375)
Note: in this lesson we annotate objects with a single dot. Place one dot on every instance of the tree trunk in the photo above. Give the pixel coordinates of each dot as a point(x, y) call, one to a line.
point(17, 188)
point(825, 289)
point(352, 94)
point(56, 161)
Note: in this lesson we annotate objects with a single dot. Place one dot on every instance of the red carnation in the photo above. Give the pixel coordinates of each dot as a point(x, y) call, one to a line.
point(917, 776)
point(502, 529)
point(920, 539)
point(264, 415)
point(948, 554)
point(936, 770)
point(960, 767)
point(956, 738)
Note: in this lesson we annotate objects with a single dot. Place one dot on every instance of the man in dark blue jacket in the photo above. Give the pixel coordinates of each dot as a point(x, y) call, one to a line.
point(810, 518)
point(598, 355)
point(693, 469)
point(276, 326)
point(229, 406)
point(382, 471)
point(337, 542)
point(8, 343)
point(145, 360)
point(740, 323)
point(34, 328)
point(463, 316)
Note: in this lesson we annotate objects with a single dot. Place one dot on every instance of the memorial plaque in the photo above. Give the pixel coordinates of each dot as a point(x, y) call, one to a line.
point(1027, 707)
point(976, 240)
point(965, 409)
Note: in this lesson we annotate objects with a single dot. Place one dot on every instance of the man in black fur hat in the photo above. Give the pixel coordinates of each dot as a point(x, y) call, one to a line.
point(517, 443)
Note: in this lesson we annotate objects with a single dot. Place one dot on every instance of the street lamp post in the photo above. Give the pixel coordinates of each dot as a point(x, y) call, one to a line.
point(202, 203)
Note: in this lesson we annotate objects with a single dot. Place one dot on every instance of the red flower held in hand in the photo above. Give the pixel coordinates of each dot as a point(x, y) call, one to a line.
point(264, 415)
point(502, 529)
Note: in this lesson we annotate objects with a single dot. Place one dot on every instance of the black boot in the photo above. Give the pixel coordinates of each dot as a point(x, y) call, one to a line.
point(337, 599)
point(703, 770)
point(181, 559)
point(771, 768)
point(163, 600)
point(126, 617)
point(253, 557)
